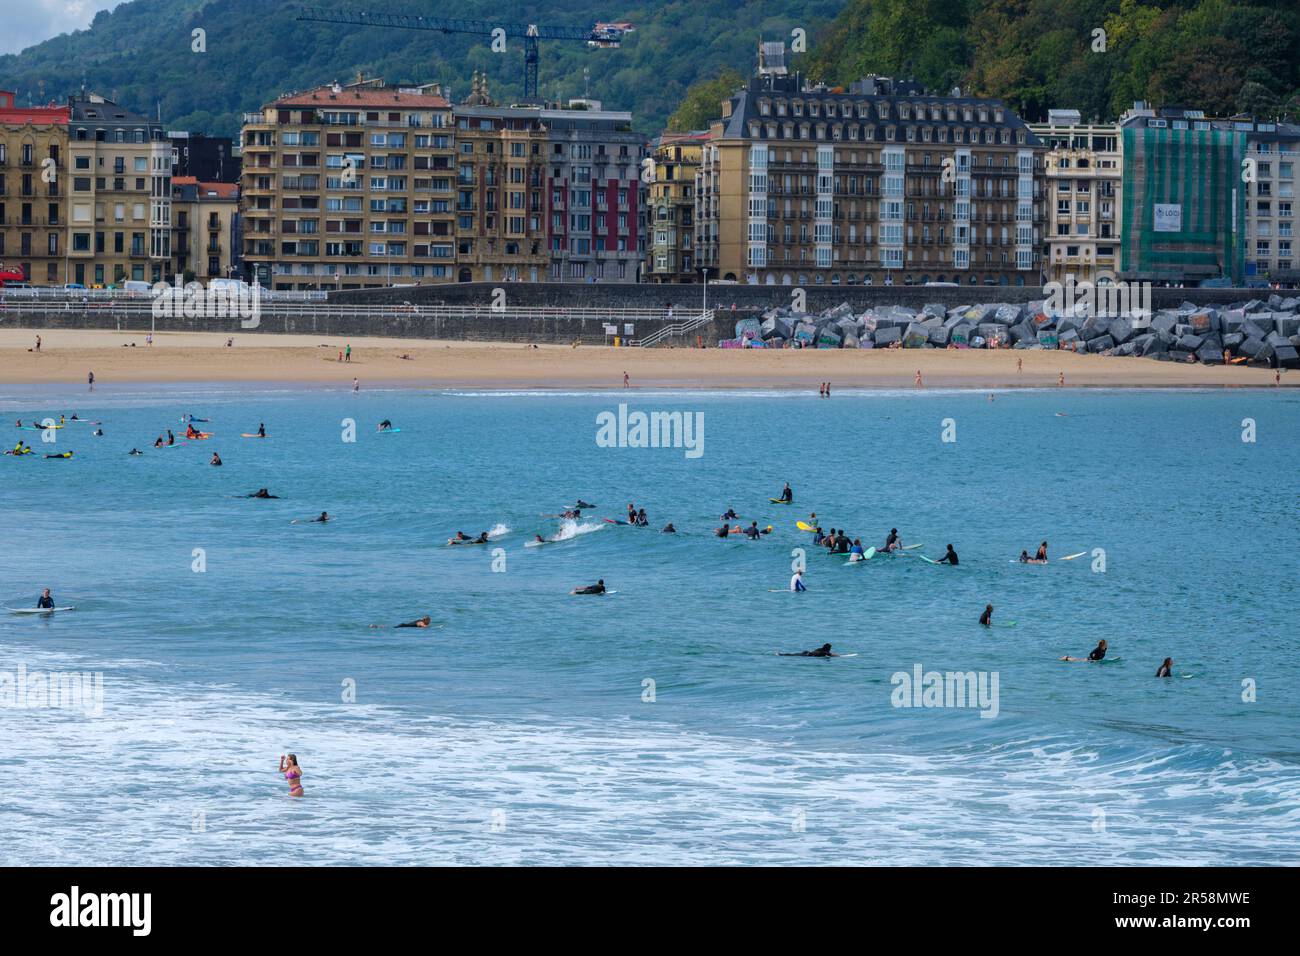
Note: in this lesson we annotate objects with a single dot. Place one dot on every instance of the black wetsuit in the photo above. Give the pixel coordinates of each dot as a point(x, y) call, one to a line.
point(949, 558)
point(787, 495)
point(1097, 653)
point(889, 542)
point(591, 589)
point(669, 529)
point(987, 618)
point(820, 652)
point(1165, 671)
point(44, 601)
point(752, 532)
point(412, 624)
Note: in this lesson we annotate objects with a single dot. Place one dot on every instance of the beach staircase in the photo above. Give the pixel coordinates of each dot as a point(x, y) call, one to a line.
point(675, 329)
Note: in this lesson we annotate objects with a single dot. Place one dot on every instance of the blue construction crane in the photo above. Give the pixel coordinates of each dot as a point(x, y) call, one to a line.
point(530, 33)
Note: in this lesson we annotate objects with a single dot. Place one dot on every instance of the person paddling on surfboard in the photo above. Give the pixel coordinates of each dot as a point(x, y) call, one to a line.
point(949, 558)
point(261, 493)
point(324, 516)
point(823, 651)
point(597, 588)
point(45, 601)
point(1094, 655)
point(582, 505)
point(987, 617)
point(385, 425)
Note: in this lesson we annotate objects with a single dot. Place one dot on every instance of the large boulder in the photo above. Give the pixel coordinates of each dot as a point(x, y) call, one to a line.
point(1210, 354)
point(805, 333)
point(1286, 356)
point(776, 327)
point(1101, 344)
point(1190, 342)
point(1119, 329)
point(916, 336)
point(887, 336)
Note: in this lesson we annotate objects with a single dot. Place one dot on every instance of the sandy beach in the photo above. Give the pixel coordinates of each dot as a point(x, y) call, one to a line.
point(67, 355)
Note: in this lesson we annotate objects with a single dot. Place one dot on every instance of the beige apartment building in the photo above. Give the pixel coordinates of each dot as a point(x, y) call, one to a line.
point(1084, 173)
point(205, 230)
point(348, 187)
point(671, 227)
point(119, 199)
point(33, 194)
point(880, 184)
point(1271, 202)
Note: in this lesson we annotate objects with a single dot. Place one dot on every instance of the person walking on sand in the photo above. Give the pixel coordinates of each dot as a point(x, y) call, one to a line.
point(1060, 382)
point(1020, 365)
point(347, 353)
point(38, 343)
point(626, 381)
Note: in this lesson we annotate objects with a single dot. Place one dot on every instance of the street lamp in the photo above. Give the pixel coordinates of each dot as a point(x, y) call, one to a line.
point(705, 271)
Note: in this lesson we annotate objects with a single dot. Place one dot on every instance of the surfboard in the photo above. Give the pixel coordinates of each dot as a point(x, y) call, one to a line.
point(1071, 557)
point(247, 435)
point(805, 526)
point(613, 521)
point(911, 547)
point(81, 421)
point(38, 610)
point(780, 501)
point(927, 560)
point(387, 431)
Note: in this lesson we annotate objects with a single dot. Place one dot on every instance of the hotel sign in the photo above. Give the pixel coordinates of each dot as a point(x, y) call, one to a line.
point(1168, 217)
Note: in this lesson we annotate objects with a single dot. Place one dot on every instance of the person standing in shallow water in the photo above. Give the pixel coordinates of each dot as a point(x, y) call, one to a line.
point(292, 773)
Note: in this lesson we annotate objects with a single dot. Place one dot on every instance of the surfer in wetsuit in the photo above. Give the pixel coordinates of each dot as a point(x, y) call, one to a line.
point(1096, 654)
point(215, 460)
point(730, 515)
point(796, 582)
point(642, 521)
point(171, 439)
point(987, 617)
point(580, 505)
point(723, 531)
point(823, 651)
point(539, 539)
point(669, 529)
point(135, 451)
point(949, 558)
point(752, 531)
point(324, 516)
point(45, 600)
point(1167, 668)
point(786, 494)
point(893, 542)
point(261, 493)
point(261, 429)
point(818, 537)
point(631, 513)
point(481, 539)
point(855, 552)
point(597, 588)
point(422, 622)
point(1042, 552)
point(385, 425)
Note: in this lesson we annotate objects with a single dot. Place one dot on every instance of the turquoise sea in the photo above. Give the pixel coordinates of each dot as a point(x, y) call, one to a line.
point(654, 725)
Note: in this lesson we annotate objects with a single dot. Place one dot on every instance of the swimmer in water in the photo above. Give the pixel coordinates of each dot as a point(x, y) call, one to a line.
point(730, 515)
point(987, 617)
point(324, 516)
point(215, 460)
point(949, 558)
point(752, 532)
point(135, 451)
point(597, 588)
point(723, 531)
point(292, 773)
point(1096, 654)
point(1167, 668)
point(583, 505)
point(669, 529)
point(823, 651)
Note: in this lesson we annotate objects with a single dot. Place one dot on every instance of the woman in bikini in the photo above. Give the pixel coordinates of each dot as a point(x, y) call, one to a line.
point(293, 773)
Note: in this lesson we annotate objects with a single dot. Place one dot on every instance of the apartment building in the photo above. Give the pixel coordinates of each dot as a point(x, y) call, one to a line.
point(882, 183)
point(670, 240)
point(209, 159)
point(348, 187)
point(33, 193)
point(1270, 202)
point(593, 173)
point(1083, 171)
point(205, 229)
point(1184, 202)
point(119, 202)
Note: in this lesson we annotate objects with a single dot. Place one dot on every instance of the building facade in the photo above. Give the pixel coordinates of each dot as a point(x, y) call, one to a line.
point(1083, 169)
point(349, 186)
point(119, 205)
point(33, 191)
point(1184, 205)
point(1271, 199)
point(882, 183)
point(670, 231)
point(209, 159)
point(205, 229)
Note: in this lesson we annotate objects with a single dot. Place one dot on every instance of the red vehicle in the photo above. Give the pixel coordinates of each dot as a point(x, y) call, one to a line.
point(10, 276)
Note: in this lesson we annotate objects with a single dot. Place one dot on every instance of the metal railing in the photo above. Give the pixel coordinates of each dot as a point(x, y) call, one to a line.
point(685, 327)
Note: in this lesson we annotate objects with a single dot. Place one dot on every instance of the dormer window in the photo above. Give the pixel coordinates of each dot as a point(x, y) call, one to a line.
point(764, 107)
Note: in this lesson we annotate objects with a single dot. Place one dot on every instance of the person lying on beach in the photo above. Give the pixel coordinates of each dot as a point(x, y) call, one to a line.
point(823, 651)
point(1096, 654)
point(597, 588)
